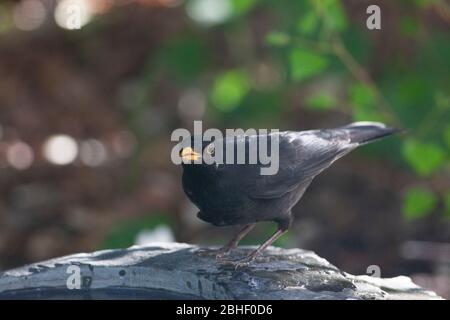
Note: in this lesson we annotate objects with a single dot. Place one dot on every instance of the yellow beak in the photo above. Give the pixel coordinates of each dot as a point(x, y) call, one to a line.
point(188, 154)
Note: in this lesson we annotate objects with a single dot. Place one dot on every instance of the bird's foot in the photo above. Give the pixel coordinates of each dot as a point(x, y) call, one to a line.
point(219, 254)
point(244, 262)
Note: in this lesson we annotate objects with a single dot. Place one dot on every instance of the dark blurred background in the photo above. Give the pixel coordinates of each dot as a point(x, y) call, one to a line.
point(90, 91)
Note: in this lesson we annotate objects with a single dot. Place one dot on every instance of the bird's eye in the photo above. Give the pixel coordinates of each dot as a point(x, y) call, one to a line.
point(210, 149)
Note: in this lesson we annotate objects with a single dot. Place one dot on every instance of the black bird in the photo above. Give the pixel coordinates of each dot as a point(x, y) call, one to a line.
point(237, 194)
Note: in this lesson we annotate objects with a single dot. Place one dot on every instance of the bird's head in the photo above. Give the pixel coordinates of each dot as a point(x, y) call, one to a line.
point(198, 155)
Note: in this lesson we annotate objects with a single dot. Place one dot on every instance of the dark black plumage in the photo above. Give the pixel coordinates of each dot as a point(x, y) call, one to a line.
point(237, 194)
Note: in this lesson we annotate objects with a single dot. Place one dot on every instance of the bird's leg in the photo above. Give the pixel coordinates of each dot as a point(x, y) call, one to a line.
point(282, 229)
point(219, 253)
point(239, 236)
point(254, 254)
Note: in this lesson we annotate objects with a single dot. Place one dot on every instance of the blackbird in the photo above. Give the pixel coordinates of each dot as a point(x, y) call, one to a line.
point(238, 194)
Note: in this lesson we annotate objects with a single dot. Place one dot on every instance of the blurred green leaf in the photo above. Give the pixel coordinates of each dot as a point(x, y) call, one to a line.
point(431, 63)
point(308, 23)
point(413, 90)
point(409, 94)
point(447, 202)
point(362, 95)
point(335, 17)
point(186, 57)
point(362, 98)
point(242, 6)
point(364, 113)
point(425, 3)
point(322, 101)
point(277, 39)
point(305, 64)
point(447, 135)
point(229, 89)
point(360, 46)
point(442, 100)
point(425, 158)
point(418, 202)
point(409, 26)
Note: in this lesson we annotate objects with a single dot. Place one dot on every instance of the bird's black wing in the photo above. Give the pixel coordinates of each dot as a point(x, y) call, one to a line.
point(302, 156)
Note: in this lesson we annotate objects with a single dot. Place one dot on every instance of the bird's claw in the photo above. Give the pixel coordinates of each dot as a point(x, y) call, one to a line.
point(241, 262)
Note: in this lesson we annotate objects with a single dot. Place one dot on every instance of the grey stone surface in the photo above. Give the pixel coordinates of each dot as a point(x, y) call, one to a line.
point(172, 270)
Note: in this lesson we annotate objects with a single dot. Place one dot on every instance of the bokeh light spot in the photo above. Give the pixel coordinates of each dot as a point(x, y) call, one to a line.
point(60, 149)
point(209, 12)
point(29, 15)
point(92, 152)
point(73, 14)
point(20, 155)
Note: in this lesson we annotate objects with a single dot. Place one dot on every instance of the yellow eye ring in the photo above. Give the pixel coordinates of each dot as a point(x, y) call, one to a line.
point(210, 149)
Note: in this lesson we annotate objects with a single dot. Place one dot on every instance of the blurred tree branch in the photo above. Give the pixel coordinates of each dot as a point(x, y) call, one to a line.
point(361, 74)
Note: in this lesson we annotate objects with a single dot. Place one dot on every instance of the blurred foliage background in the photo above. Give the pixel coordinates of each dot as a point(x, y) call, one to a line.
point(88, 103)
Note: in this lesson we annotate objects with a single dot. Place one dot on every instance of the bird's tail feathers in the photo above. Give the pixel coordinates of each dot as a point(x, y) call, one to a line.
point(365, 132)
